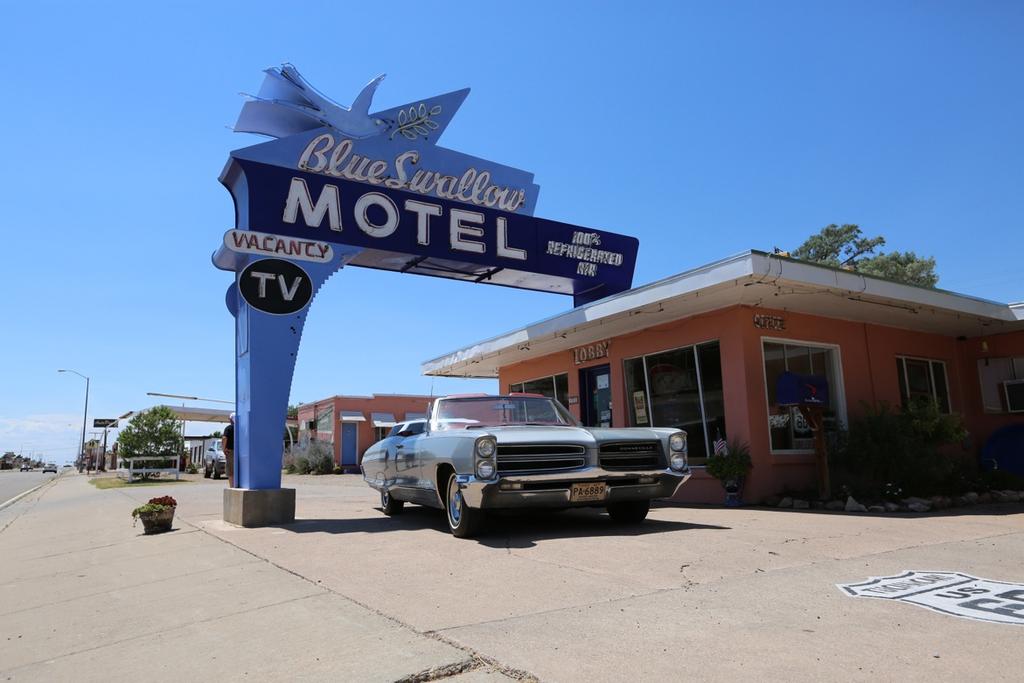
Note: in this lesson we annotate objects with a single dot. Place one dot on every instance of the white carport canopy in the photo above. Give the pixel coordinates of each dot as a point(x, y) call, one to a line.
point(191, 414)
point(382, 419)
point(352, 416)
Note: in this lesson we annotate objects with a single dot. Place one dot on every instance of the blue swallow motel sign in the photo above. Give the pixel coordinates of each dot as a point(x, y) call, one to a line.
point(339, 186)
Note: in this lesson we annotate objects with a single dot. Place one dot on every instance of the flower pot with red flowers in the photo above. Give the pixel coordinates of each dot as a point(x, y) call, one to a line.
point(156, 515)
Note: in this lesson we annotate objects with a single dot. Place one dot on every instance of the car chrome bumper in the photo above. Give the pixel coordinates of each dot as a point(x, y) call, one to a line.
point(551, 490)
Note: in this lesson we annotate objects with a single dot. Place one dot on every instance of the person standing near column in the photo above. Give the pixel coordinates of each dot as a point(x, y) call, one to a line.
point(227, 442)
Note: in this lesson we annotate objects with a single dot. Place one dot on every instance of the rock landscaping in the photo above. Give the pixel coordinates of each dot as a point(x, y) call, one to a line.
point(912, 504)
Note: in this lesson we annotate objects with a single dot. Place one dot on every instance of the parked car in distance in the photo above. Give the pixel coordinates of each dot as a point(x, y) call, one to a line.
point(50, 467)
point(214, 462)
point(26, 468)
point(476, 453)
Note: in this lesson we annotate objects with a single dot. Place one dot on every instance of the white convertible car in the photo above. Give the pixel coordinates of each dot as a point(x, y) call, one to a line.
point(477, 452)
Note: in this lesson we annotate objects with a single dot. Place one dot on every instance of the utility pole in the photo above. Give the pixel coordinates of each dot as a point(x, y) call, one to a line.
point(85, 413)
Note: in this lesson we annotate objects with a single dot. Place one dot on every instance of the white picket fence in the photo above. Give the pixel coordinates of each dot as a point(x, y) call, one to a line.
point(134, 470)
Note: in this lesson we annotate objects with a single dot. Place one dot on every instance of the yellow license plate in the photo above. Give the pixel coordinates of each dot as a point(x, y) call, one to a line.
point(585, 493)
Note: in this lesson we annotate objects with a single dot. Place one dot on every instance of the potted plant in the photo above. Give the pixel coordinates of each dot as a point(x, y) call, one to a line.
point(730, 464)
point(156, 515)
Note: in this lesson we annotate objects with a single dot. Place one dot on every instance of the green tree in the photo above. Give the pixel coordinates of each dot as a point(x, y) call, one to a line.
point(154, 433)
point(844, 246)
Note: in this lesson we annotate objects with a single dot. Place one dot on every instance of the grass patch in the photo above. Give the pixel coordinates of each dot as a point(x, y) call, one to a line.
point(119, 483)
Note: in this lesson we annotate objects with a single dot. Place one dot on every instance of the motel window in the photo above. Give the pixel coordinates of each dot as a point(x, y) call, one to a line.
point(325, 426)
point(787, 426)
point(556, 387)
point(1001, 383)
point(681, 388)
point(923, 380)
point(382, 432)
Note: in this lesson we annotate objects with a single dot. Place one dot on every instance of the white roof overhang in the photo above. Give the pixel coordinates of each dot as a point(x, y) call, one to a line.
point(382, 419)
point(753, 278)
point(352, 416)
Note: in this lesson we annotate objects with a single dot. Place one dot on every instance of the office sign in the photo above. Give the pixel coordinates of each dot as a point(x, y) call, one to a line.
point(954, 593)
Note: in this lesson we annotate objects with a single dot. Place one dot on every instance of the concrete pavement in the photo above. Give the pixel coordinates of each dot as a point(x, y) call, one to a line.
point(706, 593)
point(85, 597)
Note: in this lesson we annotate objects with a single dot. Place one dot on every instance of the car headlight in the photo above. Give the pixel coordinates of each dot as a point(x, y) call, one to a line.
point(677, 442)
point(678, 462)
point(485, 447)
point(485, 469)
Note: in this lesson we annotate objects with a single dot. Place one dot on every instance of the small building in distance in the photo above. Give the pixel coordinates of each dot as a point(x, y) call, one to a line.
point(351, 424)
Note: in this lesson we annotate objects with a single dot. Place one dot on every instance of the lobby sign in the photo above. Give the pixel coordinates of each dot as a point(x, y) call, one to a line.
point(589, 352)
point(954, 593)
point(338, 186)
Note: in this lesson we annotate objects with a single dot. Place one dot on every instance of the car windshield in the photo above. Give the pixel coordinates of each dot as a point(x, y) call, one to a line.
point(493, 411)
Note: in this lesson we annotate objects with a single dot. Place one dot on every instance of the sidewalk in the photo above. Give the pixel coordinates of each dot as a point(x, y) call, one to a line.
point(347, 593)
point(85, 597)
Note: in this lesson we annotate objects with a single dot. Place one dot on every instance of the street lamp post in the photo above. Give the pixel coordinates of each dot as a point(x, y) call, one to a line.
point(85, 413)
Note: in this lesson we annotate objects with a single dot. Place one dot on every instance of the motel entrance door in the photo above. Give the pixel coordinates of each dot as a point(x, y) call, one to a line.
point(349, 444)
point(596, 396)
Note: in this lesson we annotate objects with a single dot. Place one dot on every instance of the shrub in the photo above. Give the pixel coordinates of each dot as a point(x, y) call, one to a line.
point(892, 454)
point(730, 466)
point(315, 458)
point(321, 463)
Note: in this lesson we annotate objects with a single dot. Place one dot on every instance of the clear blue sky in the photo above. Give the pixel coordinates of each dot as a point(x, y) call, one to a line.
point(701, 128)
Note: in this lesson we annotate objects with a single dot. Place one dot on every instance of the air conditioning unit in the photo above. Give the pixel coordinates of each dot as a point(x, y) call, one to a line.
point(1014, 391)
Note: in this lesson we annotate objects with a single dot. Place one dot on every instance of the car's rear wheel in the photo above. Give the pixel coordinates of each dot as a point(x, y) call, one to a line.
point(389, 505)
point(463, 521)
point(629, 512)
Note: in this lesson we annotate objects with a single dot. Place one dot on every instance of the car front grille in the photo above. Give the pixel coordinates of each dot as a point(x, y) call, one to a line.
point(631, 455)
point(523, 458)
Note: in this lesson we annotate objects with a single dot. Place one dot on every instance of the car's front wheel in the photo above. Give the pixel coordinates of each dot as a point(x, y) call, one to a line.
point(214, 472)
point(389, 505)
point(629, 512)
point(463, 521)
point(206, 471)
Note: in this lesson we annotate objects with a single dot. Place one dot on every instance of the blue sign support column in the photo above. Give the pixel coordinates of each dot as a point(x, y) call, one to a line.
point(266, 346)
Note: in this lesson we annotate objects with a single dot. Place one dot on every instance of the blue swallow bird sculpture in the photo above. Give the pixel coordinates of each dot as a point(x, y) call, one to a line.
point(288, 104)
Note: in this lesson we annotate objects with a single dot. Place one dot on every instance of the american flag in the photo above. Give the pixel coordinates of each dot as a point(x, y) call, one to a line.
point(721, 448)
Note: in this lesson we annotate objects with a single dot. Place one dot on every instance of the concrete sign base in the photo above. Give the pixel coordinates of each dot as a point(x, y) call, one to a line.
point(259, 507)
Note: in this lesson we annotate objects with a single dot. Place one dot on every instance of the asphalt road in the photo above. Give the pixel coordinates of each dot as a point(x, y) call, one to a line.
point(13, 482)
